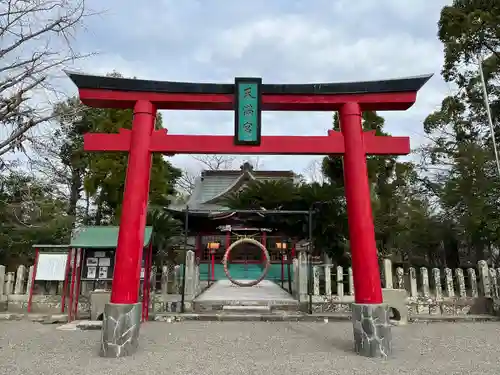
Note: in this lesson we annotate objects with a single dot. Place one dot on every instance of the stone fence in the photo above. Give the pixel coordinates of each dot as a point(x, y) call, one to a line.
point(423, 291)
point(413, 291)
point(165, 289)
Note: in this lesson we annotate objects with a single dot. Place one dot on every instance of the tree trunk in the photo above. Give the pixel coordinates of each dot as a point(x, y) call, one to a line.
point(74, 197)
point(86, 219)
point(98, 214)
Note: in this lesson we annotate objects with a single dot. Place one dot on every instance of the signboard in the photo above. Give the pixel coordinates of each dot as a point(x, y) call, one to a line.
point(247, 111)
point(51, 267)
point(100, 265)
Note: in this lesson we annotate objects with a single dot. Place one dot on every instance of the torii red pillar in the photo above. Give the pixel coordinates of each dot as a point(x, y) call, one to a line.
point(365, 266)
point(121, 318)
point(127, 270)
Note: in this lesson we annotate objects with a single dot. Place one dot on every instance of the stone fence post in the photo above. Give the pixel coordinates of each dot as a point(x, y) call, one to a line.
point(20, 279)
point(190, 275)
point(30, 279)
point(2, 281)
point(3, 297)
point(9, 283)
point(303, 272)
point(388, 281)
point(164, 280)
point(484, 279)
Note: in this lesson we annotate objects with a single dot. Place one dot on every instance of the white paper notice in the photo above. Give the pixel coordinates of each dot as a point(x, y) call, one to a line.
point(91, 272)
point(105, 262)
point(51, 267)
point(103, 272)
point(92, 261)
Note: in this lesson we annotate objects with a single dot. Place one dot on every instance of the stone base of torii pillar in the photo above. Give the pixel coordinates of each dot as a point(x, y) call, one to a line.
point(372, 330)
point(120, 329)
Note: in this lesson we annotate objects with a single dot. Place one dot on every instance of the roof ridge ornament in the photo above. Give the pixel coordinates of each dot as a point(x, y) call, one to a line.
point(246, 167)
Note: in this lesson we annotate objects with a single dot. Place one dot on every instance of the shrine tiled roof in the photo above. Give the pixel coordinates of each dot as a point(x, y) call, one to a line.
point(211, 186)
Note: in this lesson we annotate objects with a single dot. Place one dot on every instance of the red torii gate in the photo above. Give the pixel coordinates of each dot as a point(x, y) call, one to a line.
point(349, 99)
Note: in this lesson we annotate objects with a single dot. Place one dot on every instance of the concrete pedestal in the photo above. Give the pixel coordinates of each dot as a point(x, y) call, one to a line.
point(120, 329)
point(372, 330)
point(98, 301)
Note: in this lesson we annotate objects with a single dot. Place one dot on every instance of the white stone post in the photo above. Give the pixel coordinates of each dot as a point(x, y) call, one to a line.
point(436, 275)
point(2, 280)
point(316, 280)
point(197, 279)
point(328, 280)
point(424, 273)
point(30, 279)
point(459, 274)
point(400, 278)
point(303, 270)
point(340, 282)
point(450, 288)
point(295, 285)
point(20, 279)
point(471, 273)
point(189, 274)
point(413, 282)
point(387, 265)
point(351, 281)
point(484, 279)
point(493, 282)
point(9, 283)
point(152, 288)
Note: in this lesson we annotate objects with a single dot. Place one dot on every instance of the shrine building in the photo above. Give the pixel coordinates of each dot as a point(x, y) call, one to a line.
point(213, 227)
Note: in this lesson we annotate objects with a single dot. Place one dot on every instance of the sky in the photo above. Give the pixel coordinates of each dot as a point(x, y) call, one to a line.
point(282, 41)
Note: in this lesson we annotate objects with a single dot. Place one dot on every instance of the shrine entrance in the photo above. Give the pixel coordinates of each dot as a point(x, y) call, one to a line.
point(247, 97)
point(246, 262)
point(246, 253)
point(257, 240)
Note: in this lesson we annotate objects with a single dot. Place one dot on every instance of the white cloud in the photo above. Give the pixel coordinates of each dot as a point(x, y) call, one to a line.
point(282, 41)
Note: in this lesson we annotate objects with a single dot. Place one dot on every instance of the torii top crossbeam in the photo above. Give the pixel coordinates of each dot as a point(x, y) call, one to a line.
point(112, 92)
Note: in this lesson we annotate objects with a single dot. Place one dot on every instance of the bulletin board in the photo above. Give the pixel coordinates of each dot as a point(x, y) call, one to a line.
point(99, 265)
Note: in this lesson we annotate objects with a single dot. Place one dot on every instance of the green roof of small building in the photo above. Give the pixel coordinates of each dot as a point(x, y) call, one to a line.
point(102, 237)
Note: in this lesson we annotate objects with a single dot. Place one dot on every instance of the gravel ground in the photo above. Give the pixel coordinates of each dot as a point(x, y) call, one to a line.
point(253, 348)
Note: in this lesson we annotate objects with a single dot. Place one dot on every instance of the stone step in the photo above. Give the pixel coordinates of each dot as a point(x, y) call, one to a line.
point(233, 316)
point(246, 308)
point(242, 305)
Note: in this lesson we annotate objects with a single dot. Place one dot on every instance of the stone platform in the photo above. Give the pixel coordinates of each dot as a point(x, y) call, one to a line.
point(223, 293)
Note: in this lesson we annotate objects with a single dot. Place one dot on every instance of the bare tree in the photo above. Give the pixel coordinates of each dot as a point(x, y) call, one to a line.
point(212, 163)
point(36, 37)
point(185, 184)
point(313, 172)
point(255, 161)
point(215, 162)
point(205, 162)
